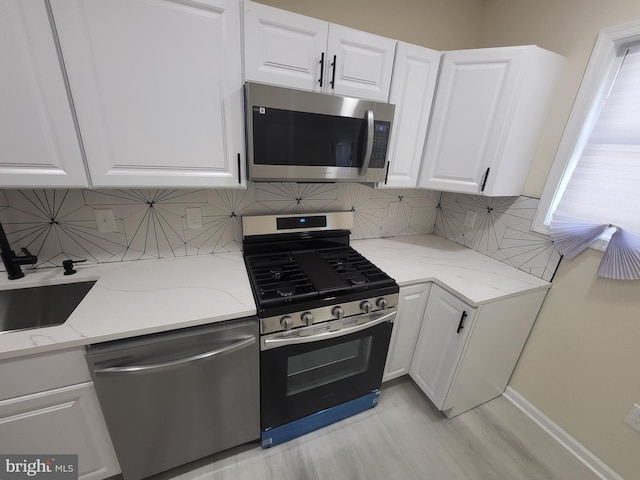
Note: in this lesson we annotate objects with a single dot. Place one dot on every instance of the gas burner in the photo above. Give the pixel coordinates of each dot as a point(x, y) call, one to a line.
point(357, 279)
point(276, 272)
point(286, 289)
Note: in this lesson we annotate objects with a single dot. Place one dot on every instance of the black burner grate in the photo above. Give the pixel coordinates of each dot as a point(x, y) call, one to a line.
point(356, 270)
point(277, 278)
point(287, 278)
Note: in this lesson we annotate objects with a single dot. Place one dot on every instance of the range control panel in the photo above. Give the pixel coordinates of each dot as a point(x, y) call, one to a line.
point(312, 316)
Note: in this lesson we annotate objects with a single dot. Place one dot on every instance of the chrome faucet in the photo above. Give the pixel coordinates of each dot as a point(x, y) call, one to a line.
point(12, 261)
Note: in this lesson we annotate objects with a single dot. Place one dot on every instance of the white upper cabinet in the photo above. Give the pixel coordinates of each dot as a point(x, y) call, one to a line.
point(488, 114)
point(282, 47)
point(40, 145)
point(415, 73)
point(359, 64)
point(287, 49)
point(157, 88)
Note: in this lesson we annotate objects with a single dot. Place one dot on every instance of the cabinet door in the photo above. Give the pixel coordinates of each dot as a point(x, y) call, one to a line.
point(411, 305)
point(63, 421)
point(470, 114)
point(40, 146)
point(359, 64)
point(283, 48)
point(445, 327)
point(415, 72)
point(157, 88)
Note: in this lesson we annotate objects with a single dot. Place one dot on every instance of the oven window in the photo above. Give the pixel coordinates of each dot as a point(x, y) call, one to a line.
point(326, 365)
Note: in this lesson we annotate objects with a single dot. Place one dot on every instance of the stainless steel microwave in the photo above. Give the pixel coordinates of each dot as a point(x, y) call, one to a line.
point(299, 136)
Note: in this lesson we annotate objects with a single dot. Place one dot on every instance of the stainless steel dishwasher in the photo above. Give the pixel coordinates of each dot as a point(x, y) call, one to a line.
point(174, 397)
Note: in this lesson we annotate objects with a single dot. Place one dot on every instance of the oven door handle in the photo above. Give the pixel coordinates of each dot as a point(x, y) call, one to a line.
point(269, 343)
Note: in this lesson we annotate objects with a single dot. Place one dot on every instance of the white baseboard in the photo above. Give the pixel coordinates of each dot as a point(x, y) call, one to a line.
point(574, 447)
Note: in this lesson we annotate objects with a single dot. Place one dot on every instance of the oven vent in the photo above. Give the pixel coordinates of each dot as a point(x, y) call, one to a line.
point(350, 321)
point(321, 328)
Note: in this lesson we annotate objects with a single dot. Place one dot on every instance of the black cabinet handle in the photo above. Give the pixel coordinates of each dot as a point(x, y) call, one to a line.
point(461, 324)
point(386, 175)
point(333, 75)
point(486, 176)
point(239, 170)
point(321, 68)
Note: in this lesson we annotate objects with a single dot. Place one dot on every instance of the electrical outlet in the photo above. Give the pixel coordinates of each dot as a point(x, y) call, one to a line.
point(633, 417)
point(194, 218)
point(392, 210)
point(105, 220)
point(470, 219)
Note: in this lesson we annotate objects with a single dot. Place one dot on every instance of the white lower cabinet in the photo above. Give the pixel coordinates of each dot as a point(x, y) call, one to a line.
point(445, 326)
point(64, 420)
point(411, 305)
point(464, 356)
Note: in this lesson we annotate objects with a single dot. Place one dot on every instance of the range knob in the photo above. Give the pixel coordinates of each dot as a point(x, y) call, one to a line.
point(365, 306)
point(307, 318)
point(382, 303)
point(338, 312)
point(286, 322)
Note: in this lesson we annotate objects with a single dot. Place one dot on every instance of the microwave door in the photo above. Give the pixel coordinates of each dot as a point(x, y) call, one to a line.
point(303, 146)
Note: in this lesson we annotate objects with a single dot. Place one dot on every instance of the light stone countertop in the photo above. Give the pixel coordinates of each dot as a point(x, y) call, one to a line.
point(472, 276)
point(150, 296)
point(137, 298)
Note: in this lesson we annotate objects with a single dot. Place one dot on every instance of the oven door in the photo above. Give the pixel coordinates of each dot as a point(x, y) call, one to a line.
point(318, 367)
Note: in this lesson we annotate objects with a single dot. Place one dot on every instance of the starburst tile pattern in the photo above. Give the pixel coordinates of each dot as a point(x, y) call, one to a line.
point(221, 226)
point(501, 230)
point(151, 223)
point(368, 215)
point(296, 197)
point(152, 220)
point(56, 225)
point(415, 211)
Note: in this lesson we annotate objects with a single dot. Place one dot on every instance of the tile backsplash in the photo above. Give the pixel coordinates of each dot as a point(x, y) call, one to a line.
point(57, 224)
point(501, 230)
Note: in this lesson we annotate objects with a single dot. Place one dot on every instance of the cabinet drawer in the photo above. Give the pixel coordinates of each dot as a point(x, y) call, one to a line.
point(36, 373)
point(62, 421)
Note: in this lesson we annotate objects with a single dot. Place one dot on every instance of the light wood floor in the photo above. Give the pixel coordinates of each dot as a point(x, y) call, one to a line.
point(404, 437)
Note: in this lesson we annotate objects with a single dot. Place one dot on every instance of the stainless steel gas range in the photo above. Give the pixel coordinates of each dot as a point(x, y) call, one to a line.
point(326, 315)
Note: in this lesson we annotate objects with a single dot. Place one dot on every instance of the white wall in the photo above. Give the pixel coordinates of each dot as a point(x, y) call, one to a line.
point(580, 365)
point(437, 24)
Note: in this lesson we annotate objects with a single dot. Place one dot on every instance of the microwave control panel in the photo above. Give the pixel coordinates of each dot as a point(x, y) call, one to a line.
point(380, 143)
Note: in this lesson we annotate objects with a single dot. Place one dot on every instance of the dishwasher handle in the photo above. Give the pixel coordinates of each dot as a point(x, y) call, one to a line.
point(233, 347)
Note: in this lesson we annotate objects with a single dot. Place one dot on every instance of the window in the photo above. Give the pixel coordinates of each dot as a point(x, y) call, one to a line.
point(593, 185)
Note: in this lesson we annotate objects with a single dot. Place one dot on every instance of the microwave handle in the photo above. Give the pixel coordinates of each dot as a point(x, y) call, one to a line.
point(369, 144)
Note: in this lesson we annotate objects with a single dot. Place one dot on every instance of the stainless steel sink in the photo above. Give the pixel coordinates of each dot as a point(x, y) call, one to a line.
point(37, 307)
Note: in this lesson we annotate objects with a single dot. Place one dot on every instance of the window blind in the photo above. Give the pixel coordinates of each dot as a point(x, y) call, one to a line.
point(604, 188)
